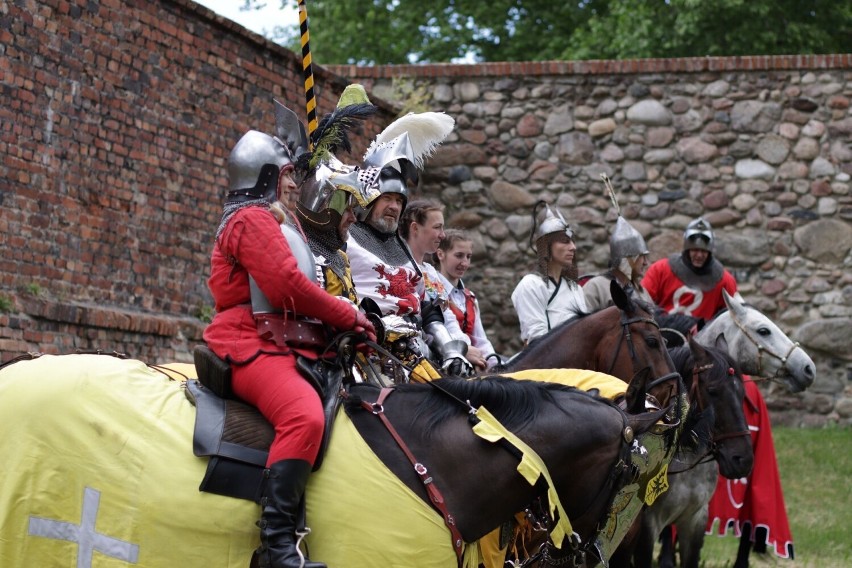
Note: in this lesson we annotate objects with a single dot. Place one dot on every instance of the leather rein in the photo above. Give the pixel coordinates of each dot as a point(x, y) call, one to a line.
point(627, 337)
point(761, 349)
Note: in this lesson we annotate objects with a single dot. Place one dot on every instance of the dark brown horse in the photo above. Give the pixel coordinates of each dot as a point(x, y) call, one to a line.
point(114, 438)
point(619, 340)
point(715, 439)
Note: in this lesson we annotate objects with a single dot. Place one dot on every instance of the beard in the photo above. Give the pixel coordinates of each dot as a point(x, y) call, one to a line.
point(385, 225)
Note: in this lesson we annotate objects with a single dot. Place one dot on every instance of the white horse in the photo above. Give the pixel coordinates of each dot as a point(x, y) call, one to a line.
point(759, 346)
point(761, 349)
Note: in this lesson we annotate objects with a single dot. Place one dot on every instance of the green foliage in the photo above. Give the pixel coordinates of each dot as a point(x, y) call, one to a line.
point(33, 289)
point(816, 475)
point(7, 304)
point(205, 313)
point(403, 31)
point(411, 96)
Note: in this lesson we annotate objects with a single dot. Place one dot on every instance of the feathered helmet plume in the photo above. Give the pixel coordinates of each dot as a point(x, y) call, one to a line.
point(402, 147)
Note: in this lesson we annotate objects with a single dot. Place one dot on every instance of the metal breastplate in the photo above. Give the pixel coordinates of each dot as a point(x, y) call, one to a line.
point(260, 304)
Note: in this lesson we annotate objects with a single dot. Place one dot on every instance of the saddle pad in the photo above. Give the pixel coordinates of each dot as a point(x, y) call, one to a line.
point(609, 386)
point(97, 470)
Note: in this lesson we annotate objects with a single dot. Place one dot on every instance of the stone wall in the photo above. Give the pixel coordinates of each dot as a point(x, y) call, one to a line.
point(759, 146)
point(115, 127)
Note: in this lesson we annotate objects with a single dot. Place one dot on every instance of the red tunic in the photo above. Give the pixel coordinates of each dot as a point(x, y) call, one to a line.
point(756, 500)
point(264, 374)
point(674, 296)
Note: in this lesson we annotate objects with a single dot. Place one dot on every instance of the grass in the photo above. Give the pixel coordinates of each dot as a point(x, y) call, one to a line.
point(816, 476)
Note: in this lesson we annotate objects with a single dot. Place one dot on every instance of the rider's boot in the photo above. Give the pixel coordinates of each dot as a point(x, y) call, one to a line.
point(279, 520)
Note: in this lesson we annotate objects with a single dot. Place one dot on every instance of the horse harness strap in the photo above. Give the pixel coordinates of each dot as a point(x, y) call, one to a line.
point(626, 334)
point(434, 493)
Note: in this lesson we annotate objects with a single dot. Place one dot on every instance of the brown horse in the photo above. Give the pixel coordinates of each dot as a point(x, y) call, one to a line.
point(716, 439)
point(619, 340)
point(99, 458)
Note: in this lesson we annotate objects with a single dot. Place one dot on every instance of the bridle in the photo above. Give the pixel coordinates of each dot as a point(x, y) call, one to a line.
point(696, 398)
point(627, 337)
point(761, 349)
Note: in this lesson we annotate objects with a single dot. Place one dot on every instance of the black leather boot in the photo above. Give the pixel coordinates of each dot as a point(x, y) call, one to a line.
point(280, 516)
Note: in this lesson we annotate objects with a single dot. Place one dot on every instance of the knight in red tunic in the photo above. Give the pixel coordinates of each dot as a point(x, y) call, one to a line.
point(252, 251)
point(691, 282)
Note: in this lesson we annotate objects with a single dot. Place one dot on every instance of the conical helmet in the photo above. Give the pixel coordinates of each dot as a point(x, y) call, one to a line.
point(699, 235)
point(552, 222)
point(625, 242)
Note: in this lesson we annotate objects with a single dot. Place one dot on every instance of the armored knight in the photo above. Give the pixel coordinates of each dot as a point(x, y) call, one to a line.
point(387, 278)
point(261, 334)
point(628, 260)
point(552, 296)
point(691, 282)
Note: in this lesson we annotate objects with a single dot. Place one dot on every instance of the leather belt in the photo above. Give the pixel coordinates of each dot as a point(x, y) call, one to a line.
point(285, 331)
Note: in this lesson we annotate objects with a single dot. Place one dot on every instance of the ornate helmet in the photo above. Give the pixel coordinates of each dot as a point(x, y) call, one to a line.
point(258, 160)
point(327, 191)
point(327, 186)
point(699, 235)
point(398, 154)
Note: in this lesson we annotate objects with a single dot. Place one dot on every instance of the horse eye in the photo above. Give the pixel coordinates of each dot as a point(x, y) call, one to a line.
point(652, 342)
point(764, 331)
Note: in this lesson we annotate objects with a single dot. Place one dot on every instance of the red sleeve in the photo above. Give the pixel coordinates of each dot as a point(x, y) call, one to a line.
point(253, 238)
point(729, 283)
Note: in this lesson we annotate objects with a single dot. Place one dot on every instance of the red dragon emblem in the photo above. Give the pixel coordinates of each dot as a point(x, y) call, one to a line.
point(399, 285)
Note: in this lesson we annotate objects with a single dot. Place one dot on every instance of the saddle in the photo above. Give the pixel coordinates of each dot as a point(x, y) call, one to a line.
point(235, 435)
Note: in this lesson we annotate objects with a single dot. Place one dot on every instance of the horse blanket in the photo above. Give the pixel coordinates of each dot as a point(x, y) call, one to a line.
point(92, 448)
point(97, 470)
point(757, 499)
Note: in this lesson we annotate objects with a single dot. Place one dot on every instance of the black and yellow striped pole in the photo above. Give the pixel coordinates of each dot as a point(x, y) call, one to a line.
point(307, 69)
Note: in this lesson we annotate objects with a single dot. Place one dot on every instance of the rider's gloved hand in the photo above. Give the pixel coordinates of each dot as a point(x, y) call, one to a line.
point(458, 366)
point(397, 327)
point(364, 326)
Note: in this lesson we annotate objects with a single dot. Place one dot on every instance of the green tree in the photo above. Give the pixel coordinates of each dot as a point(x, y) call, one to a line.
point(402, 31)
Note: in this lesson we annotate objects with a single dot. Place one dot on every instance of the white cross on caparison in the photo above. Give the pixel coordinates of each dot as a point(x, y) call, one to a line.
point(84, 534)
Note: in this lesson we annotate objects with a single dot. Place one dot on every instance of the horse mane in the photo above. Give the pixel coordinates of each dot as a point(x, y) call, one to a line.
point(514, 402)
point(532, 346)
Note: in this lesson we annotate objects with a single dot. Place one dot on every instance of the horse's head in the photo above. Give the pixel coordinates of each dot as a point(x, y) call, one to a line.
point(759, 346)
point(633, 342)
point(716, 393)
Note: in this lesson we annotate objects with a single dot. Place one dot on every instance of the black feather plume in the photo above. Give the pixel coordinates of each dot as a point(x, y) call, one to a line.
point(332, 133)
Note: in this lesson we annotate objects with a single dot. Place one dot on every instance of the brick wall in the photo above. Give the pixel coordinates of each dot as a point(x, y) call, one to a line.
point(115, 128)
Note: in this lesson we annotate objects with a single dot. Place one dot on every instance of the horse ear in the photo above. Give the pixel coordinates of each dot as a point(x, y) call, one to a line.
point(619, 296)
point(698, 351)
point(635, 396)
point(734, 303)
point(722, 343)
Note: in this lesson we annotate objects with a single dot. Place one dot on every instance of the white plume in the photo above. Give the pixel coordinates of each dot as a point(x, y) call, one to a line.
point(426, 130)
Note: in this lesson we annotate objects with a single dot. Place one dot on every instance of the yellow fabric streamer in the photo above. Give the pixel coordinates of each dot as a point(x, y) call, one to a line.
point(610, 387)
point(531, 468)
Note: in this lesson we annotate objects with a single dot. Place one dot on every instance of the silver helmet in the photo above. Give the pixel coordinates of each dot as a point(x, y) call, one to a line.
point(553, 222)
point(699, 235)
point(625, 242)
point(327, 191)
point(258, 159)
point(399, 152)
